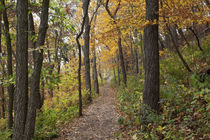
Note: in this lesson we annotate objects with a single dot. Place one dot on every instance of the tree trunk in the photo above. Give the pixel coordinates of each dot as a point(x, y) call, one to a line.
point(100, 74)
point(115, 79)
point(197, 39)
point(85, 11)
point(86, 51)
point(51, 67)
point(79, 78)
point(151, 50)
point(35, 97)
point(10, 87)
point(177, 50)
point(161, 44)
point(21, 96)
point(122, 63)
point(118, 74)
point(2, 101)
point(182, 35)
point(96, 86)
point(137, 59)
point(3, 73)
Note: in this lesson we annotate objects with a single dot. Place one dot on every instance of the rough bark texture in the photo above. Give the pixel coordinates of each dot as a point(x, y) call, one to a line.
point(87, 50)
point(35, 97)
point(21, 95)
point(79, 80)
point(10, 88)
point(151, 51)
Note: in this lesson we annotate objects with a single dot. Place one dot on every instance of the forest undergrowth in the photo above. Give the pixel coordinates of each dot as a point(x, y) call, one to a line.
point(184, 100)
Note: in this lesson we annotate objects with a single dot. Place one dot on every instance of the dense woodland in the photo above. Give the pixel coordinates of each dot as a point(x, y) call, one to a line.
point(58, 56)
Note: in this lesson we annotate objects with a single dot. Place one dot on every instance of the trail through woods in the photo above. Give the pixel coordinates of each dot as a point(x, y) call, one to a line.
point(99, 121)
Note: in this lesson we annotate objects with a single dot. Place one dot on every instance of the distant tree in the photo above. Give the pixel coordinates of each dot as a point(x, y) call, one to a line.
point(10, 88)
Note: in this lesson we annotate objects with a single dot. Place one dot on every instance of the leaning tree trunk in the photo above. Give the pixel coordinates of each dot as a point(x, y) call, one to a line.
point(35, 97)
point(177, 50)
point(197, 39)
point(21, 95)
point(10, 87)
point(151, 51)
point(182, 35)
point(86, 51)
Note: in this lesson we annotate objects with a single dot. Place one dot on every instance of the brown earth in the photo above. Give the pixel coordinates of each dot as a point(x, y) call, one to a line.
point(99, 121)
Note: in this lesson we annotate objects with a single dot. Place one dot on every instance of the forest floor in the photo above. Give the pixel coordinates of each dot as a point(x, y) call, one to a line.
point(99, 120)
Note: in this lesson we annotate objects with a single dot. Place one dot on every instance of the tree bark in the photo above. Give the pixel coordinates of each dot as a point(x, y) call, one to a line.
point(21, 96)
point(115, 79)
point(87, 50)
point(177, 50)
point(35, 97)
point(51, 67)
point(182, 35)
point(118, 75)
point(2, 97)
point(151, 50)
point(10, 87)
point(197, 39)
point(95, 72)
point(85, 11)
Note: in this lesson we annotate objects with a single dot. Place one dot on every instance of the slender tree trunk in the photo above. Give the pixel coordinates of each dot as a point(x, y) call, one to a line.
point(96, 86)
point(42, 92)
point(79, 79)
point(2, 101)
point(10, 87)
point(143, 56)
point(115, 79)
point(21, 96)
point(100, 74)
point(197, 39)
point(3, 73)
point(85, 11)
point(86, 51)
point(177, 50)
point(35, 98)
point(151, 50)
point(161, 44)
point(182, 35)
point(51, 67)
point(122, 63)
point(95, 78)
point(136, 59)
point(118, 75)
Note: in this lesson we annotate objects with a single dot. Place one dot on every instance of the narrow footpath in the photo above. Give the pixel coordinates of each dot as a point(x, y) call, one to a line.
point(99, 121)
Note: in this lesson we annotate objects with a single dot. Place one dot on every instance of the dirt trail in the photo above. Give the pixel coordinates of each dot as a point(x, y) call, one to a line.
point(99, 121)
